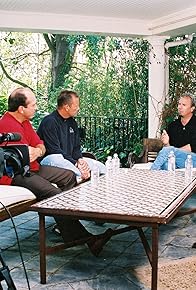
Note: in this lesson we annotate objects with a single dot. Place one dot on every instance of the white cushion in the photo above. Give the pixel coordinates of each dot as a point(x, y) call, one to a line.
point(142, 165)
point(13, 194)
point(148, 166)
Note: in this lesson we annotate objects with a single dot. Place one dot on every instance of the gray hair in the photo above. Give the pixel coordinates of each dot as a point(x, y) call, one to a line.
point(191, 96)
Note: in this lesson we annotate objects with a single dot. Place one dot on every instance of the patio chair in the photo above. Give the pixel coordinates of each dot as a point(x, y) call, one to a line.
point(14, 200)
point(151, 147)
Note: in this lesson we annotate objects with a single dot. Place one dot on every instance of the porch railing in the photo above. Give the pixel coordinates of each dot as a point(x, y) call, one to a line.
point(122, 134)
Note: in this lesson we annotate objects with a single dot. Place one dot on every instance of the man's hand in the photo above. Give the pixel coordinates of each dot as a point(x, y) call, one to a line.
point(165, 138)
point(82, 165)
point(36, 152)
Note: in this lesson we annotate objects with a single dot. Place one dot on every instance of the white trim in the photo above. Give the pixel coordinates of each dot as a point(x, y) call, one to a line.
point(173, 24)
point(61, 23)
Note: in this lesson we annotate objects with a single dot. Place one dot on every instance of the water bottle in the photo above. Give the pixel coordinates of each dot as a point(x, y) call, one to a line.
point(95, 174)
point(171, 162)
point(115, 163)
point(188, 168)
point(109, 167)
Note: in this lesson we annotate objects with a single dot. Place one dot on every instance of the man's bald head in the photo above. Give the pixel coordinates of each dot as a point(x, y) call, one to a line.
point(19, 97)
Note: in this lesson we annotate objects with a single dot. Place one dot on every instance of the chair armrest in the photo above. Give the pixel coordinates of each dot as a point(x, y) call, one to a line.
point(133, 158)
point(89, 155)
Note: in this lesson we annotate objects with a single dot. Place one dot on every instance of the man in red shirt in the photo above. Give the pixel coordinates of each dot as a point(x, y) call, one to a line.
point(21, 109)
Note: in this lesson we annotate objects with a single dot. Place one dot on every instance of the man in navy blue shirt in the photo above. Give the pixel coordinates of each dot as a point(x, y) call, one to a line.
point(60, 134)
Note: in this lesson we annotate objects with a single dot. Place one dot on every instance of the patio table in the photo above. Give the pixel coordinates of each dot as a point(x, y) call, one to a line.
point(136, 198)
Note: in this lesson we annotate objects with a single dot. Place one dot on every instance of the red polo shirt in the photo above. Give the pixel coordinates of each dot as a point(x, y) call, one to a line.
point(8, 124)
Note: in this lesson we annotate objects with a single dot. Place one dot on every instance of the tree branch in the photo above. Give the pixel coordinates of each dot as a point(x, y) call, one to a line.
point(10, 78)
point(24, 55)
point(49, 42)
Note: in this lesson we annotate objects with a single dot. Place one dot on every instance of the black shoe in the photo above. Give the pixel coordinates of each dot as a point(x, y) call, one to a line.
point(99, 223)
point(194, 245)
point(97, 242)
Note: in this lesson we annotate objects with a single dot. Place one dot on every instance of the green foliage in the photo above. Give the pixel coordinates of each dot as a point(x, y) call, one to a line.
point(94, 49)
point(3, 105)
point(182, 69)
point(137, 148)
point(25, 60)
point(110, 74)
point(102, 153)
point(107, 79)
point(39, 115)
point(182, 78)
point(169, 113)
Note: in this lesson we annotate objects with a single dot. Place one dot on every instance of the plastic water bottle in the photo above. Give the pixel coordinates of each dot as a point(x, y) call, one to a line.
point(188, 168)
point(109, 167)
point(115, 163)
point(95, 174)
point(171, 162)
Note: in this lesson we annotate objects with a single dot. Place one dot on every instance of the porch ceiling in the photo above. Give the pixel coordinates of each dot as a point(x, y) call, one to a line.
point(112, 17)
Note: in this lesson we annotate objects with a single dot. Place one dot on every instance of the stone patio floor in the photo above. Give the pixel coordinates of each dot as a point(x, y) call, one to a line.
point(76, 268)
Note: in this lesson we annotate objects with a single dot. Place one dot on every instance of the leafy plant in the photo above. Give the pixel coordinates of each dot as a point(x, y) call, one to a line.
point(3, 105)
point(182, 77)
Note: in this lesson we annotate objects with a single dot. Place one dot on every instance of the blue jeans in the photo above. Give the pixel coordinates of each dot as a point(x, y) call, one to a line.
point(161, 162)
point(58, 160)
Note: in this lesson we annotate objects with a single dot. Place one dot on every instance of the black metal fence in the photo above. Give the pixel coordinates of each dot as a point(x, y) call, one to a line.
point(114, 134)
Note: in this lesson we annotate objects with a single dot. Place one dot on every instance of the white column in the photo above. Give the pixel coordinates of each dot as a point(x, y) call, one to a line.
point(157, 83)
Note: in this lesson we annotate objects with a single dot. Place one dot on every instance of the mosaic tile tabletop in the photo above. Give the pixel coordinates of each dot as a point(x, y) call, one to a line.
point(131, 192)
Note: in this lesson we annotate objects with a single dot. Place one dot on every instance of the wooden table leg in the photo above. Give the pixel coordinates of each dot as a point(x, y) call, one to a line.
point(155, 239)
point(42, 248)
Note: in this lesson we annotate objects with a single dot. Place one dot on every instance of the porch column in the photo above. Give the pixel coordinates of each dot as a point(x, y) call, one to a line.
point(157, 83)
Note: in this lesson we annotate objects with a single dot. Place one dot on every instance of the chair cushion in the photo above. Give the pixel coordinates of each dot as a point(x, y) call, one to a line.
point(142, 165)
point(149, 164)
point(14, 194)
